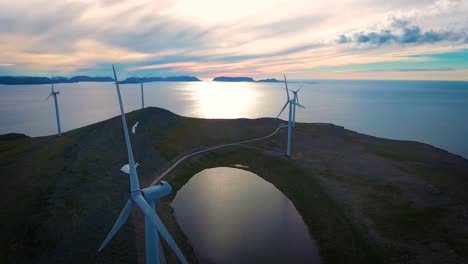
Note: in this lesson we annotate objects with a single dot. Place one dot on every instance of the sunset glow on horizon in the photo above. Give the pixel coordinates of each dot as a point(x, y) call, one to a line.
point(348, 39)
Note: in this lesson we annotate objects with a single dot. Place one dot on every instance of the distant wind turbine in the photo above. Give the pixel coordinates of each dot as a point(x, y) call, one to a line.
point(296, 99)
point(145, 200)
point(292, 109)
point(57, 115)
point(142, 93)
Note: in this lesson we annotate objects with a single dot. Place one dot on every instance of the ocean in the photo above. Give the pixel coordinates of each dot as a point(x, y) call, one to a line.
point(432, 112)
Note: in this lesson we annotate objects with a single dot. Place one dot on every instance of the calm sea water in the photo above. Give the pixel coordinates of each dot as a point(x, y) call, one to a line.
point(233, 216)
point(431, 112)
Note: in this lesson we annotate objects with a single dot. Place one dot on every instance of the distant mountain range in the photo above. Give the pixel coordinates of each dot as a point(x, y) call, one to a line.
point(16, 80)
point(162, 79)
point(270, 81)
point(12, 80)
point(233, 79)
point(241, 79)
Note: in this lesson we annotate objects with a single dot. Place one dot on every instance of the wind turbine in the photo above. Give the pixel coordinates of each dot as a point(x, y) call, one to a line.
point(142, 93)
point(296, 99)
point(292, 109)
point(57, 115)
point(145, 200)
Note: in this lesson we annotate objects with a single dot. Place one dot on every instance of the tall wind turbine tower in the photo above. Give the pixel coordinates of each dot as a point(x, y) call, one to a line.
point(57, 115)
point(296, 99)
point(292, 108)
point(145, 200)
point(142, 92)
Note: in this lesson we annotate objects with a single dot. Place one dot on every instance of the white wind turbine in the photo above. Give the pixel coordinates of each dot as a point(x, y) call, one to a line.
point(145, 200)
point(296, 99)
point(292, 109)
point(142, 93)
point(57, 115)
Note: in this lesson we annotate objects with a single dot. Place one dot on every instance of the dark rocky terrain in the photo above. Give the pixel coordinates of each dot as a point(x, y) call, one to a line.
point(364, 199)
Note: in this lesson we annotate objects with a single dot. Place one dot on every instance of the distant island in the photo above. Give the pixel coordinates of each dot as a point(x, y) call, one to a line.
point(270, 81)
point(162, 79)
point(233, 79)
point(242, 79)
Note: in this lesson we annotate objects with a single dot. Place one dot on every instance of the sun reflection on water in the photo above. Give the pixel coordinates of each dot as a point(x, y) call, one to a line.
point(222, 100)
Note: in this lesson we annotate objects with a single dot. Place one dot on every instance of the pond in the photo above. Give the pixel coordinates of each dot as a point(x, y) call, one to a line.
point(234, 216)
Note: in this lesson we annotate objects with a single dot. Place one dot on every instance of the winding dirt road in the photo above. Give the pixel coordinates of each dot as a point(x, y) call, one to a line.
point(160, 177)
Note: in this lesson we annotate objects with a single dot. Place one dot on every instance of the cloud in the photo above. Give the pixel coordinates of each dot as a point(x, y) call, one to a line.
point(402, 32)
point(342, 39)
point(207, 37)
point(416, 70)
point(408, 70)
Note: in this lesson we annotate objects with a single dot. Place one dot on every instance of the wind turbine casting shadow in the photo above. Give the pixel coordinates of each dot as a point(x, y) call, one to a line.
point(142, 93)
point(145, 200)
point(292, 109)
point(57, 115)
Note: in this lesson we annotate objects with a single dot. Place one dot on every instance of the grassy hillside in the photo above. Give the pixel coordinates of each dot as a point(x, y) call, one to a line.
point(364, 199)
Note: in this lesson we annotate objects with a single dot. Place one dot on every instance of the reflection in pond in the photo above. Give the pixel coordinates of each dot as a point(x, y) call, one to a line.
point(240, 166)
point(233, 216)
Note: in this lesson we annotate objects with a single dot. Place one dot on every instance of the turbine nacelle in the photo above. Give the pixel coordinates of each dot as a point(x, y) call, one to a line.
point(296, 97)
point(52, 93)
point(157, 192)
point(143, 78)
point(139, 198)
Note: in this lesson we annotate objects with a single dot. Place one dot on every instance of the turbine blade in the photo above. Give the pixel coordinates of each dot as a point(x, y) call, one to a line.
point(156, 221)
point(286, 84)
point(296, 97)
point(299, 105)
point(48, 97)
point(282, 109)
point(118, 224)
point(134, 184)
point(147, 75)
point(299, 88)
point(52, 80)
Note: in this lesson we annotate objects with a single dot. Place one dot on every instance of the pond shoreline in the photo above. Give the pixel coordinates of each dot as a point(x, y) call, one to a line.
point(331, 252)
point(258, 223)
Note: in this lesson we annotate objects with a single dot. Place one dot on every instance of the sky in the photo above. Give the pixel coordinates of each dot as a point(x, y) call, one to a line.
point(305, 39)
